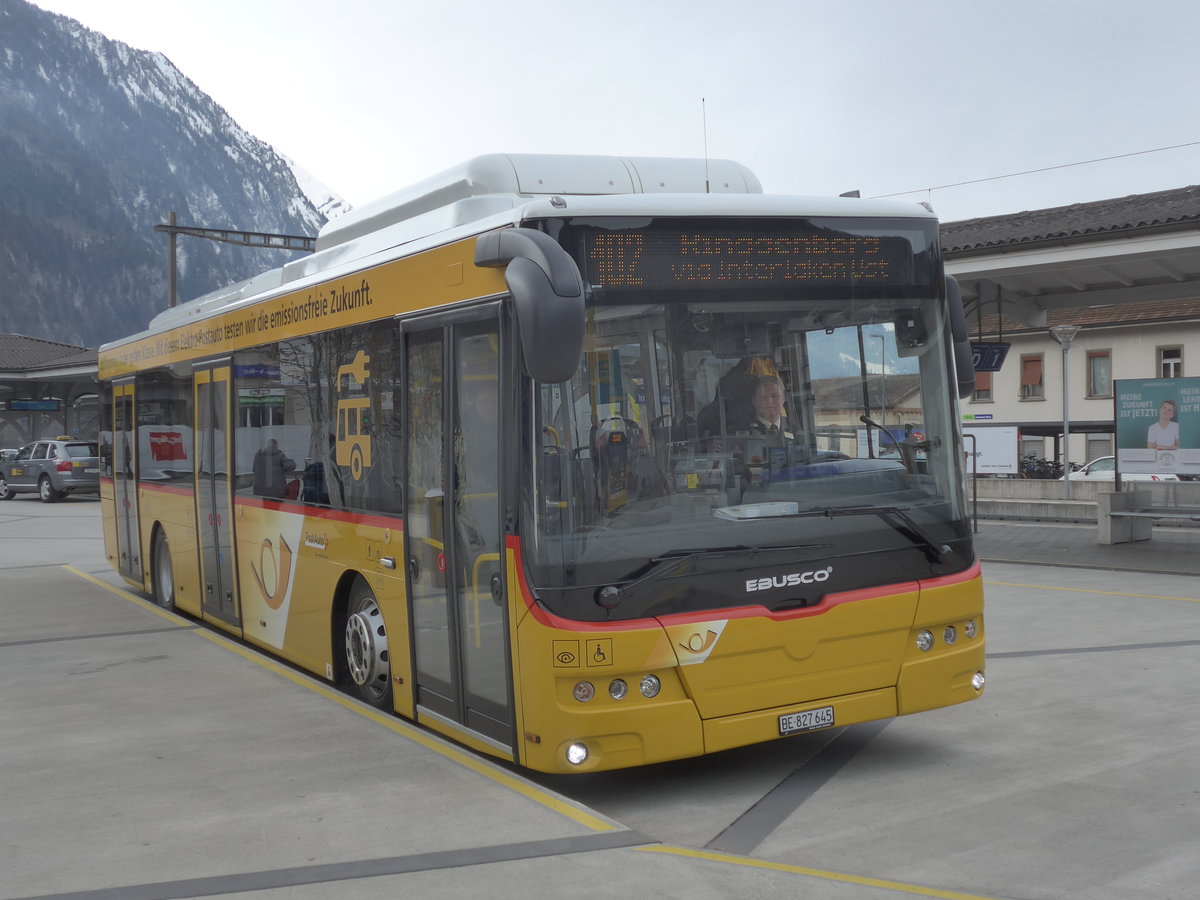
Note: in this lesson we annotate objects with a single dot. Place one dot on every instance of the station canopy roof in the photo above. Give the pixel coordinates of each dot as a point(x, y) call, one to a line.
point(1142, 248)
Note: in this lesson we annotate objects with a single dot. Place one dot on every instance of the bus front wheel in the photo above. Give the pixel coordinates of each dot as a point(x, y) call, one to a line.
point(366, 648)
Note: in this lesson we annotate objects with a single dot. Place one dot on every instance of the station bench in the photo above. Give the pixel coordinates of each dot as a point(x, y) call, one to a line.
point(1127, 516)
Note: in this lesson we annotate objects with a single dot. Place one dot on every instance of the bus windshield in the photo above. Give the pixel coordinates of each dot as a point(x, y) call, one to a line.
point(715, 432)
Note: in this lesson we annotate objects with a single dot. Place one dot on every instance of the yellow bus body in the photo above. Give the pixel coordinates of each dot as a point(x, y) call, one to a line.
point(728, 677)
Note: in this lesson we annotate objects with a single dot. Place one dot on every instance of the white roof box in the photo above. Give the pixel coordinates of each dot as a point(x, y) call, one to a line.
point(490, 184)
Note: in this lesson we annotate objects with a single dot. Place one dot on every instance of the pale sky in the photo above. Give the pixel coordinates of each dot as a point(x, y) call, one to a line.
point(814, 96)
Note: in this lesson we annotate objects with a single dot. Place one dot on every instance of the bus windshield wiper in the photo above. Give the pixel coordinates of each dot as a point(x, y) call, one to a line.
point(895, 516)
point(907, 525)
point(657, 567)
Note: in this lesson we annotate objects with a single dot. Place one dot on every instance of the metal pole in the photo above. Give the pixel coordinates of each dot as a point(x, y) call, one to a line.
point(882, 378)
point(1064, 334)
point(1066, 425)
point(172, 238)
point(974, 481)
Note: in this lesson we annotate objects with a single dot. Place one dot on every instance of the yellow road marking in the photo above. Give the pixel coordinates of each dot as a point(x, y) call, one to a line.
point(399, 726)
point(138, 601)
point(750, 862)
point(1083, 590)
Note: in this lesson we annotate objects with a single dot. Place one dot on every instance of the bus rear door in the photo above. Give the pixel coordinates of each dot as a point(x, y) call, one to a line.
point(124, 470)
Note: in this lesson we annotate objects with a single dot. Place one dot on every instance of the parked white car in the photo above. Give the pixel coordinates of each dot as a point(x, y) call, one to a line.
point(1104, 469)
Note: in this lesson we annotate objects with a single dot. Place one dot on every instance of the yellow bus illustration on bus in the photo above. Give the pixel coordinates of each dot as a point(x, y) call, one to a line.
point(353, 448)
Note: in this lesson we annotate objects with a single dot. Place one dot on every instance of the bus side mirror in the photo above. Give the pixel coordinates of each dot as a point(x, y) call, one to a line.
point(548, 292)
point(964, 359)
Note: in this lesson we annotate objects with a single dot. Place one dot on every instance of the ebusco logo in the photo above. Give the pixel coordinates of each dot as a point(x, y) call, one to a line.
point(792, 579)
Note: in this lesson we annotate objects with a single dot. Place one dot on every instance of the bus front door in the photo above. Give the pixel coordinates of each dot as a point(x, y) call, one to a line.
point(214, 492)
point(453, 528)
point(124, 472)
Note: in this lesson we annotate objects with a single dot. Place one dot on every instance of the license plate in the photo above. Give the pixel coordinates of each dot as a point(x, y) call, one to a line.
point(809, 720)
point(92, 470)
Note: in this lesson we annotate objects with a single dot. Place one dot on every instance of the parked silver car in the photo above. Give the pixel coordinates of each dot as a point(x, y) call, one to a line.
point(1104, 468)
point(53, 469)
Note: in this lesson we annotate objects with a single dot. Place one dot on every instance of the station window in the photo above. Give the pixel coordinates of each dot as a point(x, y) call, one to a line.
point(983, 387)
point(1031, 377)
point(1170, 362)
point(1099, 445)
point(1099, 373)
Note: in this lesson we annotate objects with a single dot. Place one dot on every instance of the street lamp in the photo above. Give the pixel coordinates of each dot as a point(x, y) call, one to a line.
point(1064, 334)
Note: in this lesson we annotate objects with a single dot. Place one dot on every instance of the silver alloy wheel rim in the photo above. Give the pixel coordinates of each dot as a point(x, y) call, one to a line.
point(4, 489)
point(366, 647)
point(44, 489)
point(166, 577)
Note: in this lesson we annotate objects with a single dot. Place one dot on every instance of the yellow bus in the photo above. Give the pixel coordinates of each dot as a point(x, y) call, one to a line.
point(583, 462)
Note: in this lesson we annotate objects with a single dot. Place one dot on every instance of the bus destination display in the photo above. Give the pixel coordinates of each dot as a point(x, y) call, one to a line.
point(728, 257)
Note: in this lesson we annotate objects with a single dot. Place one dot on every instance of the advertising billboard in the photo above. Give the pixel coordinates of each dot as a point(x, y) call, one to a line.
point(993, 451)
point(1157, 425)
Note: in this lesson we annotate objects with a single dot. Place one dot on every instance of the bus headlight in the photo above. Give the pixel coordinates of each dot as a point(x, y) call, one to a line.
point(617, 689)
point(950, 634)
point(577, 754)
point(650, 686)
point(970, 629)
point(925, 641)
point(977, 681)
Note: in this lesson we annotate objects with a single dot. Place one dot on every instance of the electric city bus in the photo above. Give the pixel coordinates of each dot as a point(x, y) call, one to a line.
point(491, 459)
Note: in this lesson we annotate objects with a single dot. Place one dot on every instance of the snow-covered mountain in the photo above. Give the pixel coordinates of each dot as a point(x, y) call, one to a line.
point(98, 143)
point(324, 200)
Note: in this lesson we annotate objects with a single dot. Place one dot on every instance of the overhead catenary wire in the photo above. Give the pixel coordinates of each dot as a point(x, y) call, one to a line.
point(1085, 162)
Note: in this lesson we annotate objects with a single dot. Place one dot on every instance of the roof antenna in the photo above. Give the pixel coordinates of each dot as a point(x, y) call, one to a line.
point(704, 124)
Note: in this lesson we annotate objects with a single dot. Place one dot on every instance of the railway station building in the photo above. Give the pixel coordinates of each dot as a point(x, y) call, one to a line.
point(1124, 272)
point(47, 389)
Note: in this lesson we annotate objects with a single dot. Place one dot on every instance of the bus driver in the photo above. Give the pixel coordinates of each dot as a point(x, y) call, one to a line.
point(769, 418)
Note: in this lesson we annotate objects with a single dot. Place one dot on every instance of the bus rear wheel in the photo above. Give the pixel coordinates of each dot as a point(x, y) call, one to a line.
point(162, 573)
point(366, 648)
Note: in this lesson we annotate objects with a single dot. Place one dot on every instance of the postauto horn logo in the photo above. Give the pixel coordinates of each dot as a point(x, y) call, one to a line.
point(792, 579)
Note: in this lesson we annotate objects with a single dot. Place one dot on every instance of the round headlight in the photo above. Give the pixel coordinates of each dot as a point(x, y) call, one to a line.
point(584, 691)
point(617, 689)
point(970, 629)
point(925, 641)
point(577, 754)
point(650, 686)
point(977, 681)
point(950, 635)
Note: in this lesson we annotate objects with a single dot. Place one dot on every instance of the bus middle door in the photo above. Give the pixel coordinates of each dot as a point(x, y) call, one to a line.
point(214, 492)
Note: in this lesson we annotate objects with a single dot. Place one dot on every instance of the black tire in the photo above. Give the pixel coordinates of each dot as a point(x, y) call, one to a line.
point(46, 490)
point(365, 656)
point(162, 573)
point(6, 492)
